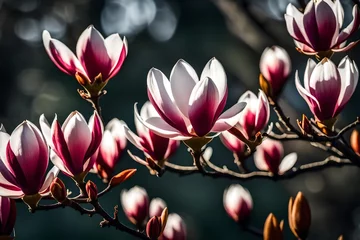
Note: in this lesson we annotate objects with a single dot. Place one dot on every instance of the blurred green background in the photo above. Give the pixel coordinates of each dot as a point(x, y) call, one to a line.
point(159, 33)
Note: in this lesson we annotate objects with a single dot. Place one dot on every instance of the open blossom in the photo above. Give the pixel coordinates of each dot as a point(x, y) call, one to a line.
point(189, 107)
point(237, 202)
point(328, 88)
point(318, 29)
point(24, 160)
point(154, 146)
point(7, 216)
point(135, 203)
point(175, 228)
point(269, 156)
point(96, 57)
point(73, 143)
point(111, 147)
point(157, 205)
point(275, 67)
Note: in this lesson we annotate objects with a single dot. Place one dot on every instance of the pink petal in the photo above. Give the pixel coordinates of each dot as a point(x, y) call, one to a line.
point(294, 24)
point(160, 127)
point(349, 78)
point(351, 28)
point(52, 174)
point(327, 24)
point(263, 111)
point(215, 71)
point(229, 118)
point(121, 58)
point(310, 25)
point(160, 95)
point(93, 55)
point(78, 138)
point(59, 163)
point(146, 111)
point(310, 66)
point(203, 104)
point(172, 147)
point(4, 139)
point(31, 154)
point(96, 128)
point(345, 48)
point(61, 55)
point(259, 160)
point(232, 143)
point(287, 163)
point(183, 79)
point(133, 138)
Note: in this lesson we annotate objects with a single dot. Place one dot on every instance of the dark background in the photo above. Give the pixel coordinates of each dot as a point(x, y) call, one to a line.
point(159, 33)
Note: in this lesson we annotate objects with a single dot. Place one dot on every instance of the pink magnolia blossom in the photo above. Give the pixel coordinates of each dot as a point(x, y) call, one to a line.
point(111, 147)
point(328, 88)
point(95, 56)
point(135, 203)
point(269, 156)
point(189, 107)
point(157, 205)
point(233, 143)
point(237, 202)
point(256, 114)
point(24, 160)
point(175, 228)
point(153, 145)
point(318, 29)
point(7, 216)
point(73, 143)
point(275, 66)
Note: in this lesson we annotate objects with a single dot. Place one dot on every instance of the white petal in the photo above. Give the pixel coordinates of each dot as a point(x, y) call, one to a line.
point(259, 160)
point(48, 180)
point(229, 118)
point(214, 70)
point(133, 138)
point(183, 79)
point(287, 163)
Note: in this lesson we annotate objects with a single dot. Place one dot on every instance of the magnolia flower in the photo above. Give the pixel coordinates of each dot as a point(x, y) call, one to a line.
point(269, 156)
point(189, 107)
point(256, 114)
point(275, 67)
point(7, 216)
point(135, 203)
point(175, 228)
point(111, 147)
point(96, 58)
point(233, 143)
point(157, 205)
point(24, 160)
point(73, 143)
point(237, 202)
point(327, 89)
point(154, 146)
point(318, 29)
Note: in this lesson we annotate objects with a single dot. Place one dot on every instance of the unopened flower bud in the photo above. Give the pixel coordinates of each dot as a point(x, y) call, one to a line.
point(299, 216)
point(135, 203)
point(305, 125)
point(154, 228)
point(58, 190)
point(272, 228)
point(355, 141)
point(175, 228)
point(91, 190)
point(157, 205)
point(237, 202)
point(275, 67)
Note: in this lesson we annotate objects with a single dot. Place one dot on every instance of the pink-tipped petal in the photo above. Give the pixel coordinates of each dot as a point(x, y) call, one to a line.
point(93, 55)
point(160, 95)
point(262, 112)
point(287, 163)
point(61, 55)
point(133, 138)
point(351, 28)
point(183, 79)
point(215, 71)
point(96, 128)
point(327, 24)
point(259, 160)
point(203, 105)
point(229, 118)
